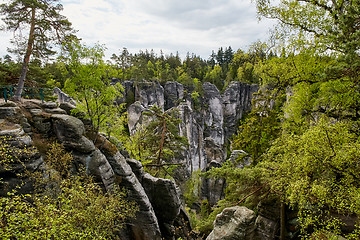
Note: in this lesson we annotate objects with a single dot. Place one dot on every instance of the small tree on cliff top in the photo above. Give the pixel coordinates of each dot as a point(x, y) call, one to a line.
point(90, 85)
point(45, 25)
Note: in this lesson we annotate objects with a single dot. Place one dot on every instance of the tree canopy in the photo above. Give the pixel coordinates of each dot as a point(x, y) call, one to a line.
point(44, 24)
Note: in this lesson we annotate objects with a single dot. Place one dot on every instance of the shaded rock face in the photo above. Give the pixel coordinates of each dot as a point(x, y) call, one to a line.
point(157, 199)
point(234, 223)
point(235, 95)
point(207, 129)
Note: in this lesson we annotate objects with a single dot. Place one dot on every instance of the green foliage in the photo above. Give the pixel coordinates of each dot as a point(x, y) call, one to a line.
point(158, 140)
point(261, 126)
point(89, 83)
point(193, 188)
point(215, 76)
point(318, 173)
point(67, 207)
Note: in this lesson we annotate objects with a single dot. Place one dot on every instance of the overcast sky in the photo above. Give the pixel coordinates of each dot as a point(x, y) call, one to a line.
point(195, 26)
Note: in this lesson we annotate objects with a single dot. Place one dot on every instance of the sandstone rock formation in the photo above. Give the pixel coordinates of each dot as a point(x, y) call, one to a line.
point(207, 128)
point(234, 223)
point(157, 199)
point(241, 223)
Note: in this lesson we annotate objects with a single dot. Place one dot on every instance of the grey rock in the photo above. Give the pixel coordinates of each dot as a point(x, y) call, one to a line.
point(266, 228)
point(128, 93)
point(135, 117)
point(136, 167)
point(235, 223)
point(100, 168)
point(55, 111)
point(149, 94)
point(9, 112)
point(83, 145)
point(213, 150)
point(173, 94)
point(8, 104)
point(67, 107)
point(214, 115)
point(145, 225)
point(36, 111)
point(67, 128)
point(49, 105)
point(63, 97)
point(164, 198)
point(41, 122)
point(236, 100)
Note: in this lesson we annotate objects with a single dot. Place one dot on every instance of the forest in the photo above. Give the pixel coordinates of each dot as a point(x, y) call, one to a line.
point(302, 133)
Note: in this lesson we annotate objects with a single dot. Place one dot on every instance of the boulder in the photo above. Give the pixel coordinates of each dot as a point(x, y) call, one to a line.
point(266, 228)
point(67, 128)
point(234, 223)
point(9, 112)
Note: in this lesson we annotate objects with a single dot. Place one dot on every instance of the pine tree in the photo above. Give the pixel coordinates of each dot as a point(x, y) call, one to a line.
point(45, 24)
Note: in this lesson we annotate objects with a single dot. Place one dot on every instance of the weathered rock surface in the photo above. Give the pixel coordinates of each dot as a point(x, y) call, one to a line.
point(235, 223)
point(240, 223)
point(157, 199)
point(207, 128)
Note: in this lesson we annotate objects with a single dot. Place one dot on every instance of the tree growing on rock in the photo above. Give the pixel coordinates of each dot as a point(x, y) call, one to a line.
point(89, 83)
point(159, 140)
point(45, 25)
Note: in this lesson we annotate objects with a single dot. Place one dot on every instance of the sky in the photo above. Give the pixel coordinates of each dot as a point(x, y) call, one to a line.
point(194, 26)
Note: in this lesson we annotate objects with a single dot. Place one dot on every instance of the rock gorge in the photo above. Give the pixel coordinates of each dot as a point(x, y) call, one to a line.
point(208, 124)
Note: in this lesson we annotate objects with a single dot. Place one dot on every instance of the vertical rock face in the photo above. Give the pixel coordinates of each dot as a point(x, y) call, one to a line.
point(208, 129)
point(173, 93)
point(150, 93)
point(236, 101)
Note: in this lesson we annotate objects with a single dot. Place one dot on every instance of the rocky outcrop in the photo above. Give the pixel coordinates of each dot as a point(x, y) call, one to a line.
point(207, 128)
point(236, 100)
point(157, 199)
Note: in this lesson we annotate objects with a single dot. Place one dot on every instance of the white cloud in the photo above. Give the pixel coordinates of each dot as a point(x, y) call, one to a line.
point(171, 25)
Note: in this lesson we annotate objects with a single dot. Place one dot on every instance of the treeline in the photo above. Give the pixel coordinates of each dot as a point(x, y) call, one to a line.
point(221, 67)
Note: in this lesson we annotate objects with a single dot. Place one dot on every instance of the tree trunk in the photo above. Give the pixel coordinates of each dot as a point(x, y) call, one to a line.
point(25, 64)
point(162, 141)
point(282, 222)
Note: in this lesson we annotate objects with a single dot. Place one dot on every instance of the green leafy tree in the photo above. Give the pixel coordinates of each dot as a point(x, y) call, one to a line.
point(317, 172)
point(45, 24)
point(66, 206)
point(89, 83)
point(215, 76)
point(261, 126)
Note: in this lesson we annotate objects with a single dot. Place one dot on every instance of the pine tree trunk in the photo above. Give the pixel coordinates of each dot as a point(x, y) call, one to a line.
point(282, 222)
point(26, 61)
point(162, 141)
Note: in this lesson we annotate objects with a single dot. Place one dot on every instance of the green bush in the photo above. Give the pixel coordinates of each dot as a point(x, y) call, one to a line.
point(65, 207)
